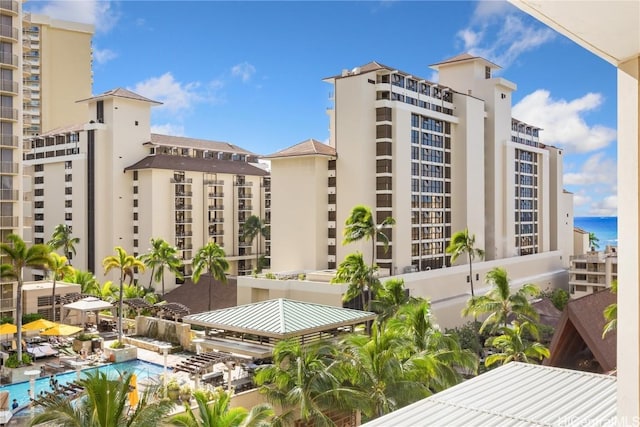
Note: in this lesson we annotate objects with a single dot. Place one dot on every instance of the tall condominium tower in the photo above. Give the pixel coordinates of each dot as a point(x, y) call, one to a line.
point(57, 60)
point(438, 158)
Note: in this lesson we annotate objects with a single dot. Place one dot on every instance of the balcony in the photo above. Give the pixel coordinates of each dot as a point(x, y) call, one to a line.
point(239, 183)
point(9, 6)
point(9, 32)
point(216, 220)
point(213, 182)
point(184, 233)
point(9, 86)
point(10, 195)
point(9, 59)
point(9, 141)
point(8, 221)
point(8, 168)
point(244, 194)
point(183, 220)
point(181, 180)
point(184, 193)
point(216, 207)
point(216, 194)
point(244, 207)
point(8, 113)
point(183, 207)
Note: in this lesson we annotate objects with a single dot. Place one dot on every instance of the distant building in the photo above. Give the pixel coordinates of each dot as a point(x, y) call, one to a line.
point(593, 271)
point(437, 157)
point(117, 184)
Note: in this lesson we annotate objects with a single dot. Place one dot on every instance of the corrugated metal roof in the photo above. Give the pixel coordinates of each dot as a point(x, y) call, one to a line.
point(279, 318)
point(516, 394)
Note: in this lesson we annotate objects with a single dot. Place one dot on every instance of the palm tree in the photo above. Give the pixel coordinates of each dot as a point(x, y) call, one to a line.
point(60, 270)
point(87, 281)
point(162, 256)
point(123, 262)
point(61, 238)
point(437, 355)
point(464, 243)
point(210, 258)
point(611, 313)
point(216, 412)
point(19, 256)
point(361, 225)
point(513, 347)
point(377, 370)
point(499, 303)
point(391, 296)
point(103, 403)
point(252, 228)
point(593, 241)
point(358, 275)
point(301, 379)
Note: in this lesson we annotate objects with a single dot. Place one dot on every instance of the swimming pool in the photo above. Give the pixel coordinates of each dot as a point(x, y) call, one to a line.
point(141, 368)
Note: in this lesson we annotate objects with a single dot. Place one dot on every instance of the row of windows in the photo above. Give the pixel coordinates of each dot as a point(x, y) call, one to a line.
point(525, 204)
point(429, 155)
point(528, 180)
point(427, 248)
point(524, 141)
point(56, 140)
point(430, 217)
point(48, 154)
point(393, 96)
point(522, 128)
point(526, 228)
point(427, 233)
point(416, 86)
point(430, 139)
point(429, 123)
point(428, 202)
point(526, 192)
point(526, 216)
point(428, 170)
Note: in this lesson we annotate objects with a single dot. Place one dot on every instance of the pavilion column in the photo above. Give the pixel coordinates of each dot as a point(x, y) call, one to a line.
point(628, 357)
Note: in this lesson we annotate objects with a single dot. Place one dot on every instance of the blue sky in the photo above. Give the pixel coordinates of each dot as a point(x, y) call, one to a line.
point(250, 73)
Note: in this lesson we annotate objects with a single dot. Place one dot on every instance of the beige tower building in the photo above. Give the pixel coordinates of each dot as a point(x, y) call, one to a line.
point(117, 184)
point(436, 157)
point(11, 194)
point(57, 72)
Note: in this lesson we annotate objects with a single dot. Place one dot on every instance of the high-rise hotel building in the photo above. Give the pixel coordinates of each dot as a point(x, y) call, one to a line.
point(438, 158)
point(118, 184)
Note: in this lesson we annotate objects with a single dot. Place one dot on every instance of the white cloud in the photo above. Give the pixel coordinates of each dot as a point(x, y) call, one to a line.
point(581, 199)
point(103, 55)
point(175, 96)
point(499, 34)
point(99, 13)
point(562, 121)
point(605, 207)
point(597, 169)
point(243, 70)
point(168, 129)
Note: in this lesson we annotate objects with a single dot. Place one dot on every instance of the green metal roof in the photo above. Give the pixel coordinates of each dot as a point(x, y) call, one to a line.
point(279, 318)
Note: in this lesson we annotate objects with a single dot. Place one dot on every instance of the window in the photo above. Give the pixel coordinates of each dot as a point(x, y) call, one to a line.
point(68, 203)
point(68, 216)
point(487, 72)
point(100, 111)
point(135, 203)
point(135, 175)
point(38, 192)
point(135, 216)
point(68, 191)
point(39, 168)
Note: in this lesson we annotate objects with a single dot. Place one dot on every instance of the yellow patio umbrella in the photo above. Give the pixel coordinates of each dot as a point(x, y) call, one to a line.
point(62, 330)
point(133, 391)
point(8, 329)
point(39, 324)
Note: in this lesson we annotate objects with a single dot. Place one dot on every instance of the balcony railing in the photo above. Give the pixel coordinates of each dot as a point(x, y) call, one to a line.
point(9, 5)
point(9, 141)
point(216, 220)
point(216, 194)
point(8, 221)
point(9, 113)
point(8, 167)
point(184, 193)
point(13, 195)
point(182, 180)
point(8, 59)
point(9, 31)
point(184, 220)
point(213, 182)
point(9, 86)
point(243, 183)
point(216, 207)
point(184, 207)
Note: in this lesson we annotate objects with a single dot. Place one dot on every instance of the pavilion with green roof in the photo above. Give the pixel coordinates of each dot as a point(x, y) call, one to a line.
point(253, 329)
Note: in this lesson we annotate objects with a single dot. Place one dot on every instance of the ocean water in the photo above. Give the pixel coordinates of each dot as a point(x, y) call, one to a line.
point(604, 227)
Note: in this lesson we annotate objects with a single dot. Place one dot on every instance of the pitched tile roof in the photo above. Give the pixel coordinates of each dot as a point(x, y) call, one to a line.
point(515, 394)
point(180, 141)
point(121, 93)
point(310, 147)
point(163, 161)
point(279, 318)
point(581, 325)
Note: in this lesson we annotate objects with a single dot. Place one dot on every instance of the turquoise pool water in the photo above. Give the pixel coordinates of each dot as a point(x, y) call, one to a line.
point(141, 368)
